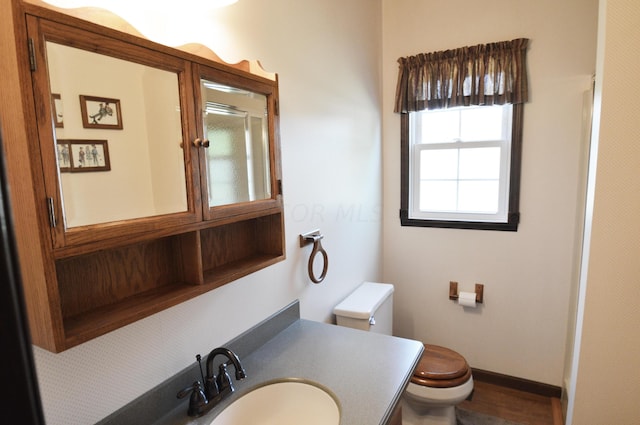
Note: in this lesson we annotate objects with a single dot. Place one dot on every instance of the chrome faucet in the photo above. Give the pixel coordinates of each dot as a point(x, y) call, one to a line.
point(216, 388)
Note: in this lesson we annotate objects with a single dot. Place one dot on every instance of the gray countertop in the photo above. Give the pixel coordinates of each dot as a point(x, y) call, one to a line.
point(367, 372)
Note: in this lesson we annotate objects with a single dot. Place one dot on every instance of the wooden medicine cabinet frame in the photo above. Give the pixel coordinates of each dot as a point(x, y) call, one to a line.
point(97, 278)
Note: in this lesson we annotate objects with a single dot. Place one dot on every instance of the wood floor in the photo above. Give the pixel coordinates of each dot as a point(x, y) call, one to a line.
point(514, 405)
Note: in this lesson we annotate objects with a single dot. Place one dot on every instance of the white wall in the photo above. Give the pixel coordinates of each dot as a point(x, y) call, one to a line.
point(607, 374)
point(329, 73)
point(528, 275)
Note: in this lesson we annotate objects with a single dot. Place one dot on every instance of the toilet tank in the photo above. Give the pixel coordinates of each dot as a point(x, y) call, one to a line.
point(368, 308)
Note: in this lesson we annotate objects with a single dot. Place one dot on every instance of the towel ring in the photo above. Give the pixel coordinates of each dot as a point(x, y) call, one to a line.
point(315, 237)
point(317, 248)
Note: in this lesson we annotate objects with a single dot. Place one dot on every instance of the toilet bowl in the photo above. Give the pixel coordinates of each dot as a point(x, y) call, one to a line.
point(442, 378)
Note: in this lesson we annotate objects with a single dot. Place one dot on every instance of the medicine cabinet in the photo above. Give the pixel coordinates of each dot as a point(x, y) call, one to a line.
point(158, 173)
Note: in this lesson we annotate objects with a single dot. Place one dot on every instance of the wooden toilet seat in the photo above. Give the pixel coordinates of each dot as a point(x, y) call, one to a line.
point(441, 367)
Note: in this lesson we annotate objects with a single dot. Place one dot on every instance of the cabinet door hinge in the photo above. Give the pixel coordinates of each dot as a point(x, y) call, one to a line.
point(52, 211)
point(277, 107)
point(279, 187)
point(32, 55)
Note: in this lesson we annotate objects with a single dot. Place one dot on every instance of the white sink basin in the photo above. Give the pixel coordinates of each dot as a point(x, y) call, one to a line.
point(282, 403)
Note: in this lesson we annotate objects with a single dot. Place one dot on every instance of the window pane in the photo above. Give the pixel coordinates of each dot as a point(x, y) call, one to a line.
point(439, 164)
point(440, 126)
point(438, 196)
point(478, 196)
point(484, 123)
point(480, 163)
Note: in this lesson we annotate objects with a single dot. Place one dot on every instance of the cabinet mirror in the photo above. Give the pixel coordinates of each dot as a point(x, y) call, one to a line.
point(236, 129)
point(118, 133)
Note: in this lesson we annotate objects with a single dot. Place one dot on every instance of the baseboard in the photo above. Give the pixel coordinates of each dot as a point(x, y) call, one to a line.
point(516, 383)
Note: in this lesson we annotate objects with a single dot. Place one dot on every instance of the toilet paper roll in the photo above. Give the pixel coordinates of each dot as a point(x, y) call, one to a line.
point(467, 299)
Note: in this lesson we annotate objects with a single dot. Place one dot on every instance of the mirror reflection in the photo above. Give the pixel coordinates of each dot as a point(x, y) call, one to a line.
point(118, 131)
point(236, 126)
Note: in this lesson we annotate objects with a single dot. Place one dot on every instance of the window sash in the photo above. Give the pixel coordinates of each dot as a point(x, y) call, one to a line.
point(457, 214)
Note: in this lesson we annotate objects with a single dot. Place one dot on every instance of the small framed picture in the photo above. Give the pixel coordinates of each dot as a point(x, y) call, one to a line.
point(64, 156)
point(56, 101)
point(85, 155)
point(100, 112)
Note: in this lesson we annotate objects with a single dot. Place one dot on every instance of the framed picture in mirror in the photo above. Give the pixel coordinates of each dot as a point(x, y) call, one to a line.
point(64, 156)
point(100, 112)
point(57, 110)
point(84, 155)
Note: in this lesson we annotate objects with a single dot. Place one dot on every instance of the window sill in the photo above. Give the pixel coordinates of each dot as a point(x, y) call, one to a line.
point(510, 226)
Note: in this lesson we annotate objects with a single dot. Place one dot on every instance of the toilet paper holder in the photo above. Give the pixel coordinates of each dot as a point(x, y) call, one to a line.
point(453, 291)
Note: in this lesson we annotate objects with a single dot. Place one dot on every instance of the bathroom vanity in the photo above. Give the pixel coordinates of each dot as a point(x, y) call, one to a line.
point(352, 365)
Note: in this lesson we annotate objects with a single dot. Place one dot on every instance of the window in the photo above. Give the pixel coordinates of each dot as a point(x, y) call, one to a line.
point(459, 167)
point(461, 136)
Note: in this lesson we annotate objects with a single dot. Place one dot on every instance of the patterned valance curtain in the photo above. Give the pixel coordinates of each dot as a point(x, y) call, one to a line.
point(485, 74)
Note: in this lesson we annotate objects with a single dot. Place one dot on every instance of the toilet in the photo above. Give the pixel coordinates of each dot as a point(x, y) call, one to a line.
point(442, 378)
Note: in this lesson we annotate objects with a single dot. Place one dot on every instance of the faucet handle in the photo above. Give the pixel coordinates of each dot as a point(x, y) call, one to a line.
point(198, 399)
point(223, 380)
point(211, 387)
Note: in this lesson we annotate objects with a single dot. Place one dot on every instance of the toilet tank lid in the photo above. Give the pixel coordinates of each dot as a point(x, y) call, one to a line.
point(364, 301)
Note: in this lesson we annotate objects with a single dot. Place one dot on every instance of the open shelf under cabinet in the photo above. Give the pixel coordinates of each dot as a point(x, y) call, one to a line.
point(105, 290)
